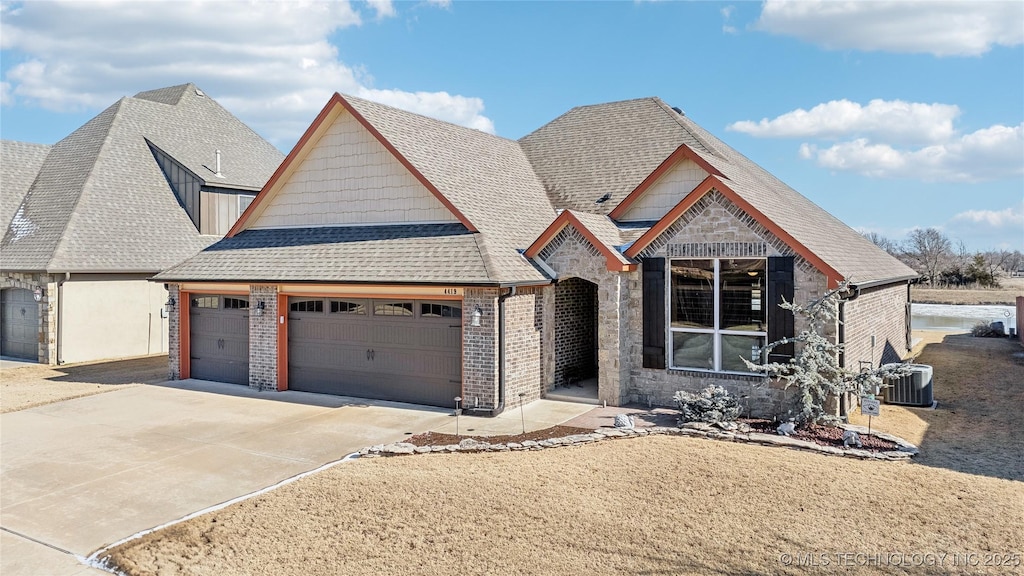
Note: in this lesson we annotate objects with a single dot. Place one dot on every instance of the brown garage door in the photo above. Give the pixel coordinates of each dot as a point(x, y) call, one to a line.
point(402, 350)
point(219, 338)
point(19, 324)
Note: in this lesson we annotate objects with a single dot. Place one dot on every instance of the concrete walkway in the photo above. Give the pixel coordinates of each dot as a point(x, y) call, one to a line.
point(84, 473)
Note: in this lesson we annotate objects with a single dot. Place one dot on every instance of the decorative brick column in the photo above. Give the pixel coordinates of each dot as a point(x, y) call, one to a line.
point(480, 349)
point(263, 344)
point(174, 333)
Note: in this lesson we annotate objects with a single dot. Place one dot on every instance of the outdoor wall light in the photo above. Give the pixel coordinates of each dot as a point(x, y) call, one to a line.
point(477, 315)
point(170, 303)
point(260, 307)
point(37, 294)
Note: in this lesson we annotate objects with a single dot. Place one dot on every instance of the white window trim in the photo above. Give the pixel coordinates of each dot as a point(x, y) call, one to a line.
point(716, 332)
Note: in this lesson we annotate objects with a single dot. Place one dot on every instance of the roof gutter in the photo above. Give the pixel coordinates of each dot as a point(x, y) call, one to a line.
point(60, 317)
point(874, 283)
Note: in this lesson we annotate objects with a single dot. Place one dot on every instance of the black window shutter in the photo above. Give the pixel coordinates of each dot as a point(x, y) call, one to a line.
point(780, 321)
point(654, 312)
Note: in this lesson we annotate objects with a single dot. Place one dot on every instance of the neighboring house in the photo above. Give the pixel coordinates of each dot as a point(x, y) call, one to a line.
point(145, 184)
point(398, 257)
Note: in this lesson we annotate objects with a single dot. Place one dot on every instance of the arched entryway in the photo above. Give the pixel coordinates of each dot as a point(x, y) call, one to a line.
point(575, 341)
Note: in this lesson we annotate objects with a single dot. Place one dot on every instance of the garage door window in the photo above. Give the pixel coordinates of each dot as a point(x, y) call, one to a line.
point(206, 302)
point(236, 303)
point(347, 307)
point(440, 311)
point(308, 306)
point(392, 309)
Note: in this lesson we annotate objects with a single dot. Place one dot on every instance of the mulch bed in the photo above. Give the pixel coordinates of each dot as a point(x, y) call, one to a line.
point(436, 439)
point(821, 435)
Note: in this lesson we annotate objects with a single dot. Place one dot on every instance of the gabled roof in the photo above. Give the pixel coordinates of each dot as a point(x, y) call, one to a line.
point(599, 230)
point(614, 149)
point(486, 181)
point(100, 203)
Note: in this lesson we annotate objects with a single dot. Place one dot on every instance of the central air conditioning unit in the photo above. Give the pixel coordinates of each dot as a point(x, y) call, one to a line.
point(914, 389)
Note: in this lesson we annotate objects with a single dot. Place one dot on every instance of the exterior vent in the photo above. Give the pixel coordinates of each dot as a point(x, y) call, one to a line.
point(914, 389)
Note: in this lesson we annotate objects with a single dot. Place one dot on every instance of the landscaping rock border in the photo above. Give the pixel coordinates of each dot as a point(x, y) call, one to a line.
point(469, 445)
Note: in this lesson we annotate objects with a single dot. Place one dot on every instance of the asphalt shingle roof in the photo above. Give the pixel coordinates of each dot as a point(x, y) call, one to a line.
point(425, 253)
point(19, 166)
point(609, 149)
point(100, 202)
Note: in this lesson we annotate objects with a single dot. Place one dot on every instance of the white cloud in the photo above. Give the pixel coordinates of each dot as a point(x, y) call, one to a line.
point(270, 63)
point(987, 154)
point(942, 28)
point(440, 3)
point(383, 8)
point(1010, 218)
point(894, 120)
point(6, 98)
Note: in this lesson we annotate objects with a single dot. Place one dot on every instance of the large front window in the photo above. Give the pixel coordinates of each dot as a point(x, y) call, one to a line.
point(718, 314)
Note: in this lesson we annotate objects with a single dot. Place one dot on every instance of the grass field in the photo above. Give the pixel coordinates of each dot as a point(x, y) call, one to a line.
point(656, 505)
point(1007, 294)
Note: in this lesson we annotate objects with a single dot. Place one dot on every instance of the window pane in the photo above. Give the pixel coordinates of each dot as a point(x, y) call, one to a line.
point(347, 307)
point(691, 350)
point(742, 304)
point(693, 293)
point(236, 303)
point(392, 308)
point(733, 347)
point(308, 306)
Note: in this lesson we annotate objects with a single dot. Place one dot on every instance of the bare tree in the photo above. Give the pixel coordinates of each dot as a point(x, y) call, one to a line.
point(929, 250)
point(882, 242)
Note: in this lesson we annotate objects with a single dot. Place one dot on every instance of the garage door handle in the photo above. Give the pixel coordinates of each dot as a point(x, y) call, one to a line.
point(373, 354)
point(367, 353)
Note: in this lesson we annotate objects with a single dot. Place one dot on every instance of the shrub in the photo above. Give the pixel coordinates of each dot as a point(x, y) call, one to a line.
point(984, 330)
point(712, 404)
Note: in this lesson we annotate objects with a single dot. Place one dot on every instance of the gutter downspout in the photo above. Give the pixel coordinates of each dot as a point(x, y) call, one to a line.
point(843, 408)
point(60, 315)
point(501, 351)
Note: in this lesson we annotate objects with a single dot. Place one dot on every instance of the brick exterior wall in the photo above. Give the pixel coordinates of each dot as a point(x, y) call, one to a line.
point(263, 337)
point(47, 324)
point(480, 349)
point(878, 312)
point(716, 228)
point(174, 333)
point(575, 329)
point(570, 255)
point(524, 330)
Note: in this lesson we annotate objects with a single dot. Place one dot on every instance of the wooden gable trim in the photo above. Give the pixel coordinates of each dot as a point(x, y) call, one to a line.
point(566, 218)
point(682, 153)
point(710, 183)
point(328, 114)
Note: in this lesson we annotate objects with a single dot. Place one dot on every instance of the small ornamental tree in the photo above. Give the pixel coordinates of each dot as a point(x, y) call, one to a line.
point(815, 371)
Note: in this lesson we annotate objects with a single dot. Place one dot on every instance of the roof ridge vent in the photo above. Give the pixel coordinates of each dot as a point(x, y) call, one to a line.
point(678, 110)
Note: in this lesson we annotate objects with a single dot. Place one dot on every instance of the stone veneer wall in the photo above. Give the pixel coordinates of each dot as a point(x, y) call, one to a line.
point(480, 349)
point(47, 325)
point(569, 254)
point(174, 333)
point(712, 228)
point(524, 330)
point(878, 312)
point(575, 329)
point(263, 337)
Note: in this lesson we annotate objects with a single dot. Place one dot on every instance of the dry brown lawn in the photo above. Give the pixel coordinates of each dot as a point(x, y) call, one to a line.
point(1007, 294)
point(656, 505)
point(29, 386)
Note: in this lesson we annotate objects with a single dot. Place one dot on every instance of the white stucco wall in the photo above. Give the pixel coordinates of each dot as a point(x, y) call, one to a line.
point(349, 177)
point(664, 194)
point(113, 318)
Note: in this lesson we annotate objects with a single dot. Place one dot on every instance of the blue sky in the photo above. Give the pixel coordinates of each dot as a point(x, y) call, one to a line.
point(891, 115)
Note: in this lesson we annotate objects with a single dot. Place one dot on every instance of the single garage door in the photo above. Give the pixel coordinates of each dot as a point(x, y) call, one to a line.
point(219, 338)
point(401, 350)
point(19, 324)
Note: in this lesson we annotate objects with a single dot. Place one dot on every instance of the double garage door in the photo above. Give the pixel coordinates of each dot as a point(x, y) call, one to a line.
point(395, 349)
point(402, 350)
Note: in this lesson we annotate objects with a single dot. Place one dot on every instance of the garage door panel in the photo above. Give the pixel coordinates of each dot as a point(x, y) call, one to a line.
point(219, 339)
point(412, 358)
point(19, 324)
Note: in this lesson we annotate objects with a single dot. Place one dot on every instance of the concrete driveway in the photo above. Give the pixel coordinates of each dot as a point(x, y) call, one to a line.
point(84, 473)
